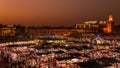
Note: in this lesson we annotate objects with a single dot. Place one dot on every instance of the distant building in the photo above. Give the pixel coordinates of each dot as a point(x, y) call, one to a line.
point(95, 27)
point(7, 30)
point(20, 30)
point(11, 30)
point(110, 25)
point(88, 27)
point(48, 30)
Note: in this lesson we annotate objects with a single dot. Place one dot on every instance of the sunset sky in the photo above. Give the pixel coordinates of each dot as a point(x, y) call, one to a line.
point(57, 12)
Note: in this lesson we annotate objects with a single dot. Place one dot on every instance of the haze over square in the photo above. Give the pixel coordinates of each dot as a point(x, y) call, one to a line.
point(56, 12)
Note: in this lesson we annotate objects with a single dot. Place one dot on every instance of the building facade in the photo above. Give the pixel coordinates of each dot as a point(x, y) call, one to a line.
point(88, 27)
point(95, 27)
point(48, 31)
point(11, 30)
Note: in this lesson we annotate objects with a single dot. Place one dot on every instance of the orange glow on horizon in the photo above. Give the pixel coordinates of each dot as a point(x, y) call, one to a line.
point(53, 12)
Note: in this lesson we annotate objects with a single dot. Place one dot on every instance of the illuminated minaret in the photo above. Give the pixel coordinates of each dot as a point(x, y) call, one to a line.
point(110, 25)
point(110, 18)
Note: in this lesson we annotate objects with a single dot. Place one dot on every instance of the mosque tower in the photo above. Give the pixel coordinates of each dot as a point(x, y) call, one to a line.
point(110, 25)
point(110, 18)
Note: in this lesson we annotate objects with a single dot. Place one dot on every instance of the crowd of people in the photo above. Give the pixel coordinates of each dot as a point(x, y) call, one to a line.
point(69, 55)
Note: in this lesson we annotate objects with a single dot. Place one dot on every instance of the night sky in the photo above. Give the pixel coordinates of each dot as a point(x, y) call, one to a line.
point(57, 12)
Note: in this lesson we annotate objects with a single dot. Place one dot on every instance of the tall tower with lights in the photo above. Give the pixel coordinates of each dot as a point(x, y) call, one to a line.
point(110, 25)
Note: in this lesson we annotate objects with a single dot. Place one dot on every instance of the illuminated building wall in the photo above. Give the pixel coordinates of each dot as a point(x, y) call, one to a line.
point(87, 27)
point(48, 31)
point(11, 30)
point(8, 30)
point(102, 27)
